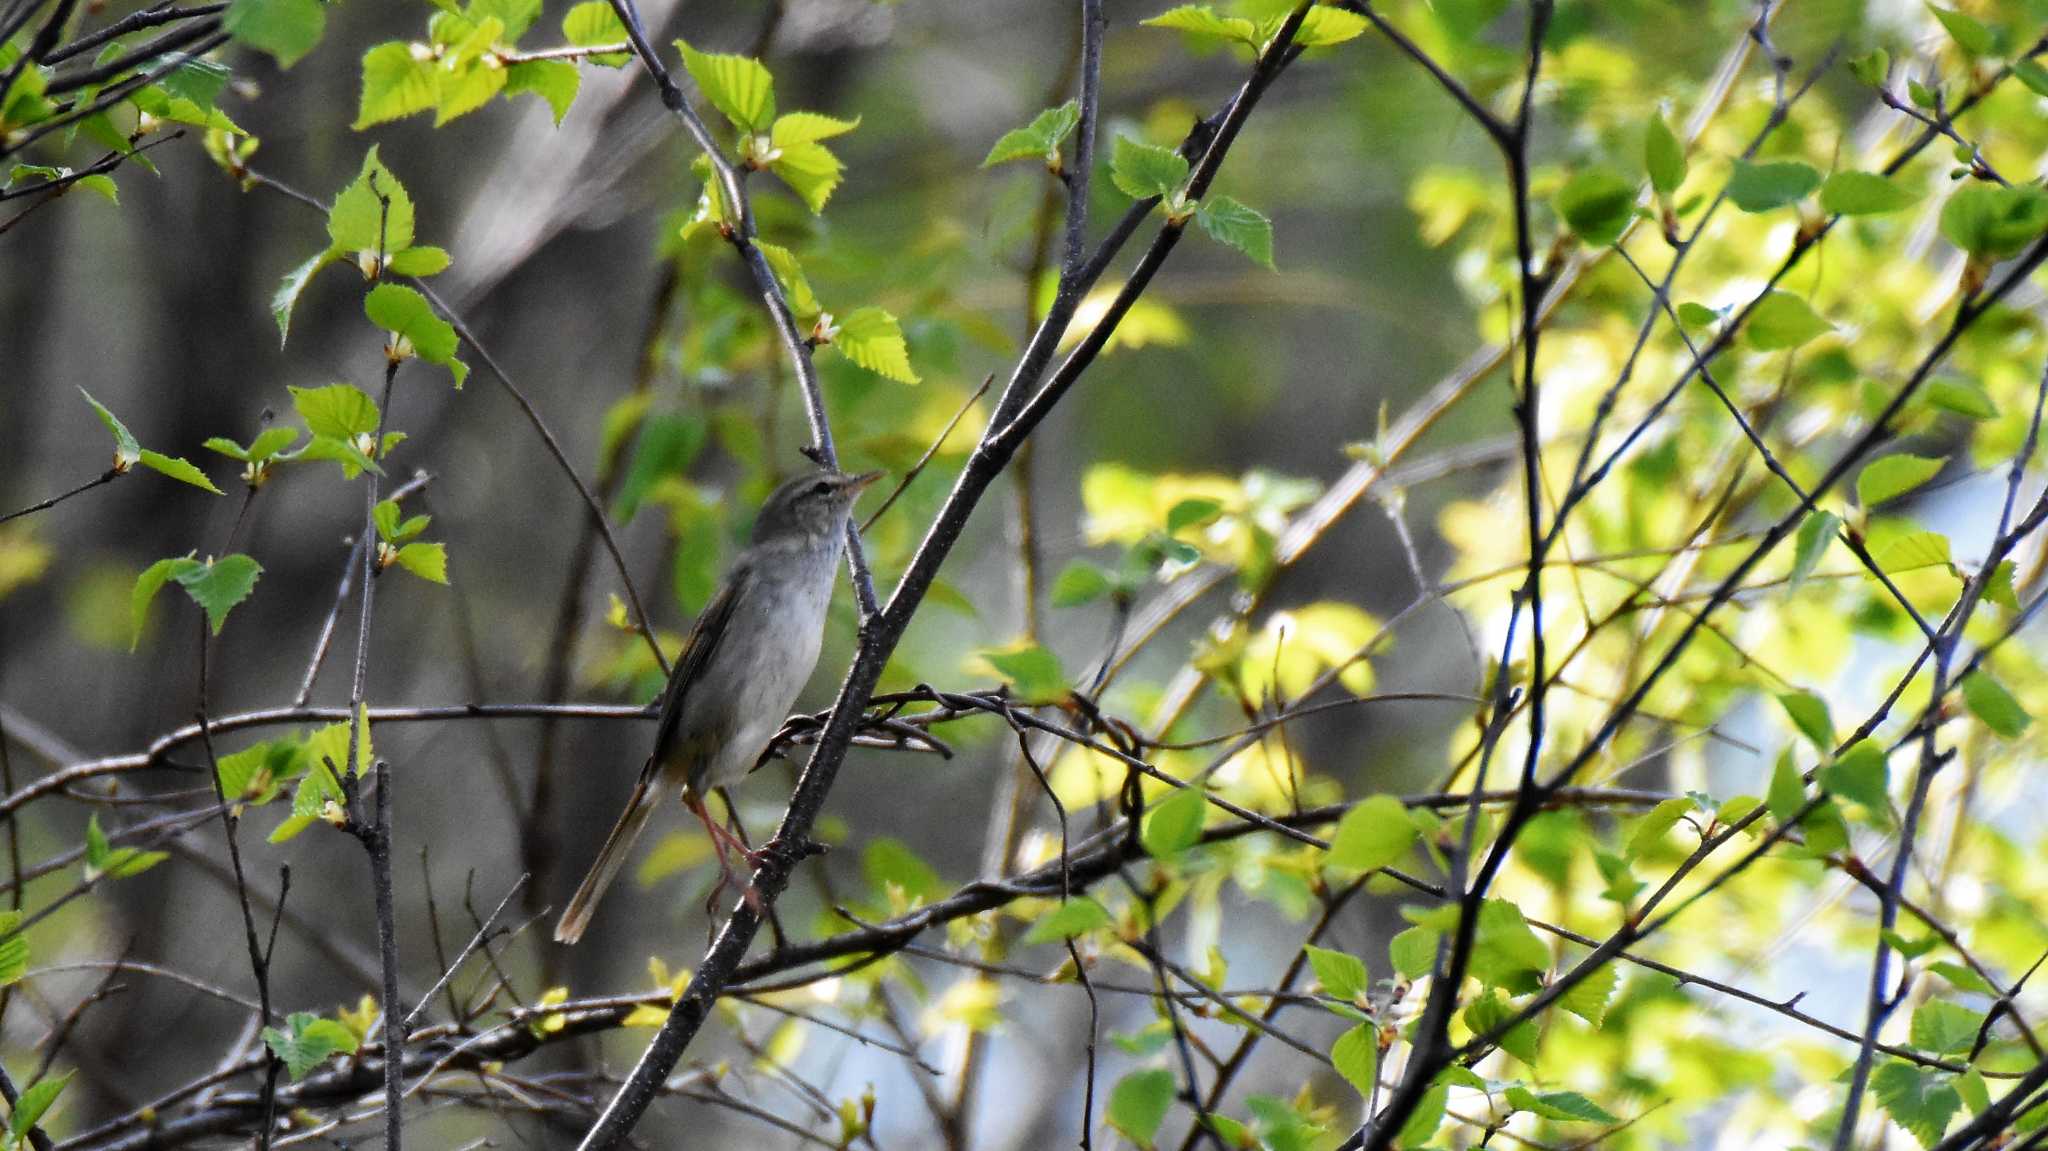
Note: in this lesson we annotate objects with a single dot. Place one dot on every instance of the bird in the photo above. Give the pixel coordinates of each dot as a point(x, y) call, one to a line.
point(748, 655)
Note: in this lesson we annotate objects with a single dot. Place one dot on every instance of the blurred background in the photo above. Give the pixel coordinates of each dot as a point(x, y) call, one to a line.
point(567, 265)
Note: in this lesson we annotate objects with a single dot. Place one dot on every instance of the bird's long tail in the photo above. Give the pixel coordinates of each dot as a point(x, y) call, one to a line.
point(610, 858)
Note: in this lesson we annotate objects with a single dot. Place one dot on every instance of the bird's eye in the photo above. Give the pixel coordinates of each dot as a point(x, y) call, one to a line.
point(821, 488)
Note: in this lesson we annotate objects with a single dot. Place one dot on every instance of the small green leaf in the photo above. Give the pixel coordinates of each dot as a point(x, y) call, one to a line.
point(1356, 1055)
point(1913, 551)
point(807, 166)
point(1342, 975)
point(872, 338)
point(1809, 714)
point(1412, 952)
point(1507, 953)
point(1872, 67)
point(13, 949)
point(1597, 203)
point(1787, 794)
point(178, 469)
point(1562, 1106)
point(1945, 1028)
point(406, 314)
point(147, 585)
point(737, 86)
point(1425, 1119)
point(1664, 156)
point(2032, 74)
point(1238, 226)
point(1143, 171)
point(1202, 20)
point(1782, 320)
point(310, 1042)
point(418, 261)
point(286, 29)
point(595, 23)
point(1697, 315)
point(1078, 583)
point(1650, 831)
point(1920, 1101)
point(1031, 671)
point(34, 1103)
point(359, 218)
point(218, 585)
point(1038, 140)
point(1893, 476)
point(1375, 833)
point(1990, 702)
point(1815, 534)
point(287, 295)
point(1963, 397)
point(1139, 1102)
point(1864, 194)
point(338, 411)
point(1324, 26)
point(396, 83)
point(1859, 775)
point(1970, 34)
point(126, 451)
point(1175, 823)
point(1076, 916)
point(1992, 223)
point(1764, 187)
point(1589, 997)
point(891, 863)
point(429, 561)
point(555, 81)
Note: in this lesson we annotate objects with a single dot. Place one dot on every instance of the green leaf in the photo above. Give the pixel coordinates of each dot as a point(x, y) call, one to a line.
point(808, 167)
point(429, 561)
point(1809, 714)
point(13, 949)
point(1142, 171)
point(1139, 1102)
point(1038, 140)
point(218, 585)
point(1920, 1101)
point(1864, 194)
point(359, 219)
point(1989, 701)
point(1562, 1106)
point(1764, 187)
point(1238, 226)
point(1342, 975)
point(1078, 583)
point(286, 29)
point(406, 314)
point(1782, 320)
point(1322, 27)
point(2032, 74)
point(556, 81)
point(1175, 823)
point(1202, 20)
point(396, 83)
point(1356, 1055)
point(1076, 916)
point(871, 338)
point(1963, 397)
point(178, 469)
point(1378, 831)
point(594, 23)
point(147, 585)
point(1588, 998)
point(1597, 203)
point(1967, 31)
point(126, 451)
point(1990, 222)
point(1815, 534)
point(420, 260)
point(114, 862)
point(1031, 671)
point(1913, 551)
point(1697, 315)
point(891, 863)
point(338, 411)
point(1945, 1028)
point(1860, 775)
point(1507, 953)
point(1650, 831)
point(1893, 476)
point(1787, 793)
point(1412, 952)
point(1425, 1119)
point(310, 1042)
point(34, 1103)
point(287, 295)
point(1664, 157)
point(737, 86)
point(1962, 978)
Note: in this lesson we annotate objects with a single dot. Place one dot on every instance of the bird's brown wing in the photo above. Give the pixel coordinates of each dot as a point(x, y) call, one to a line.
point(705, 635)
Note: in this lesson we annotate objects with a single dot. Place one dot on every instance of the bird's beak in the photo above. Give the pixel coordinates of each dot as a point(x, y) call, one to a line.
point(860, 483)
